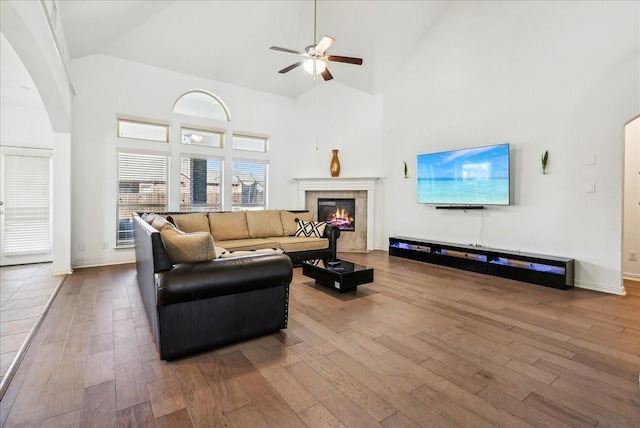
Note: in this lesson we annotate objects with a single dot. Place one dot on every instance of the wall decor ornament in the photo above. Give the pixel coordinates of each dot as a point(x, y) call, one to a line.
point(334, 168)
point(544, 161)
point(406, 170)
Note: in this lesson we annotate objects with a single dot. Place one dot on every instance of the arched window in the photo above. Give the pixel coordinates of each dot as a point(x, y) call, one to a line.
point(200, 103)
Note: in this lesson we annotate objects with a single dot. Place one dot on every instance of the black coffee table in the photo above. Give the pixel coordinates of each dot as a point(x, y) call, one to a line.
point(343, 276)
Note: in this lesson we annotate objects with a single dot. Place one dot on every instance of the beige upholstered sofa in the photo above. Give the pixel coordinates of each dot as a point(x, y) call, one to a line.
point(255, 230)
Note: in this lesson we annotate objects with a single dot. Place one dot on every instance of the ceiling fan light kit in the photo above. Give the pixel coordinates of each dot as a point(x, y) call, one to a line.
point(316, 56)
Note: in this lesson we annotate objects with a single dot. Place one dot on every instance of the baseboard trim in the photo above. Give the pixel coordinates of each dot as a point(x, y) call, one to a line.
point(600, 287)
point(99, 263)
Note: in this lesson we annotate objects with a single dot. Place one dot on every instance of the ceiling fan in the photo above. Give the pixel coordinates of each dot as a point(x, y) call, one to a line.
point(316, 55)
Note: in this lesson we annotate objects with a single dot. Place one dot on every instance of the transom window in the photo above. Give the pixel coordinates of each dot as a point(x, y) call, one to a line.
point(200, 103)
point(250, 143)
point(202, 138)
point(143, 130)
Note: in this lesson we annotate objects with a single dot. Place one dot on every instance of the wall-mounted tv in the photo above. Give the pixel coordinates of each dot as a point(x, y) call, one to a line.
point(466, 177)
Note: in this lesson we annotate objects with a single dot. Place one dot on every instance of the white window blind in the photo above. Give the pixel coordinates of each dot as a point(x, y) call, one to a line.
point(200, 184)
point(249, 185)
point(142, 187)
point(27, 205)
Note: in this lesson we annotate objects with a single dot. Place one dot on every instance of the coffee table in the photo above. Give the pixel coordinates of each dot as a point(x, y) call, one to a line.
point(343, 276)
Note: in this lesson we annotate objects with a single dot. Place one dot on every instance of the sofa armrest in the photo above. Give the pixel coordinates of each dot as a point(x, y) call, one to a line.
point(221, 277)
point(332, 233)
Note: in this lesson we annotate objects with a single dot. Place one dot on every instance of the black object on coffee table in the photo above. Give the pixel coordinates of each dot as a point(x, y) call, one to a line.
point(340, 275)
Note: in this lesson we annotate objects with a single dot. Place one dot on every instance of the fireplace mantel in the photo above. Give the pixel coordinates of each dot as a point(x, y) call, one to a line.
point(341, 184)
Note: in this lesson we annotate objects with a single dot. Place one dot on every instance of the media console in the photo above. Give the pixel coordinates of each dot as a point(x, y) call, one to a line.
point(550, 271)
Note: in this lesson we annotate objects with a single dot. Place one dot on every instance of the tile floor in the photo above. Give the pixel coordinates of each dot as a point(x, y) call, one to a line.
point(24, 292)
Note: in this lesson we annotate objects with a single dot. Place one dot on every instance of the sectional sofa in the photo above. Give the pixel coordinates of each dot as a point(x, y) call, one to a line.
point(256, 230)
point(200, 295)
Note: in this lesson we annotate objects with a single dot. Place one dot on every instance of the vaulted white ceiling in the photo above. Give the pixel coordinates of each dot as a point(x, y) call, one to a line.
point(229, 41)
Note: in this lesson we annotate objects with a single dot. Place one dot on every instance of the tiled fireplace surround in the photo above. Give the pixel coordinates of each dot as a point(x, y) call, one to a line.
point(361, 189)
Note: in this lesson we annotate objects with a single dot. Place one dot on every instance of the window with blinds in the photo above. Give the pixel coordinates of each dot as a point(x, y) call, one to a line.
point(26, 205)
point(142, 187)
point(200, 184)
point(249, 185)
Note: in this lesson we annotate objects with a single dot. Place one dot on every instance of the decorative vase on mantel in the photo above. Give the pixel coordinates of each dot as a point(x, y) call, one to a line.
point(334, 168)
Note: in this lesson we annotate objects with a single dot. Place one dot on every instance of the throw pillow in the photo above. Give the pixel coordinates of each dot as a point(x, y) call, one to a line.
point(290, 221)
point(160, 223)
point(148, 217)
point(187, 247)
point(311, 228)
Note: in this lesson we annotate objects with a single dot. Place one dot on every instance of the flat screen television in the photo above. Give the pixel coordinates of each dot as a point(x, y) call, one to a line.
point(467, 177)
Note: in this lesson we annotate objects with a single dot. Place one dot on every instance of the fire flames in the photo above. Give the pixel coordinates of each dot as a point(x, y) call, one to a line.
point(340, 217)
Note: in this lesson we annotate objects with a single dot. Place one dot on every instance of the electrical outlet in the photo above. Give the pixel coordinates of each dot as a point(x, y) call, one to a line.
point(82, 246)
point(633, 256)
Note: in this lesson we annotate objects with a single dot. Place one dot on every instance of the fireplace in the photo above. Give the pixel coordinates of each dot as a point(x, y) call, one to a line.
point(338, 212)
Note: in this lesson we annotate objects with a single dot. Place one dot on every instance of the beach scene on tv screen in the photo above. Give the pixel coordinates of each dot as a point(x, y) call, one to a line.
point(477, 176)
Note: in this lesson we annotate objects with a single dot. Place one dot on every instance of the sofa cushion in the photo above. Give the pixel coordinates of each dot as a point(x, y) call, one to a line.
point(160, 222)
point(191, 222)
point(262, 224)
point(311, 228)
point(248, 244)
point(228, 226)
point(290, 221)
point(185, 247)
point(293, 243)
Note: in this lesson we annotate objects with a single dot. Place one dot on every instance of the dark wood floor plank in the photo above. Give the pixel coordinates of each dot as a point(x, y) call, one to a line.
point(200, 401)
point(268, 402)
point(341, 406)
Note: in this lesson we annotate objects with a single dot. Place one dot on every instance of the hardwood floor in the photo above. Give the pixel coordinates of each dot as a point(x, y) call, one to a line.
point(421, 346)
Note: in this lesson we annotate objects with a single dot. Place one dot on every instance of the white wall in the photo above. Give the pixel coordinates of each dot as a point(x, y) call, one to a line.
point(336, 117)
point(631, 225)
point(556, 76)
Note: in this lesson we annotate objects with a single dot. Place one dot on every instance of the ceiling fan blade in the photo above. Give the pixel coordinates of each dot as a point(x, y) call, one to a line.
point(291, 67)
point(277, 48)
point(347, 59)
point(326, 74)
point(324, 44)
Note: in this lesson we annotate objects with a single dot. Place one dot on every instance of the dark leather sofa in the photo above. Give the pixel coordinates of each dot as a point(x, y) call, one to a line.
point(197, 306)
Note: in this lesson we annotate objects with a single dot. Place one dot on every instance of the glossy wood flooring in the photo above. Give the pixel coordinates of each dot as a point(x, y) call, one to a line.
point(421, 346)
